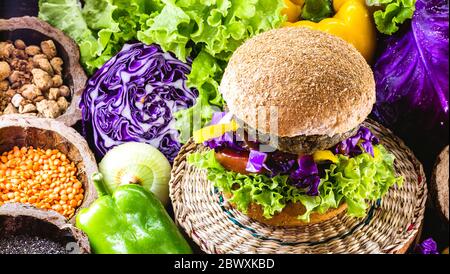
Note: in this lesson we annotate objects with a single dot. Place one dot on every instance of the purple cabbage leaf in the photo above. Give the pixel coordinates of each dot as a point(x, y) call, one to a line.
point(362, 142)
point(306, 175)
point(256, 161)
point(412, 72)
point(427, 247)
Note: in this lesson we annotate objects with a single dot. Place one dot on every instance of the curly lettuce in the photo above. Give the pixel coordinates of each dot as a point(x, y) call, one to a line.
point(211, 31)
point(354, 181)
point(99, 27)
point(207, 31)
point(392, 14)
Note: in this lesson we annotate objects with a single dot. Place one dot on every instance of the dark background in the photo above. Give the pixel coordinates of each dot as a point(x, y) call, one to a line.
point(434, 226)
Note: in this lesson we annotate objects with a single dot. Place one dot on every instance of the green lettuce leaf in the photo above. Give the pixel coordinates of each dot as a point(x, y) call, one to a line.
point(211, 31)
point(68, 17)
point(355, 181)
point(100, 27)
point(392, 14)
point(208, 30)
point(205, 76)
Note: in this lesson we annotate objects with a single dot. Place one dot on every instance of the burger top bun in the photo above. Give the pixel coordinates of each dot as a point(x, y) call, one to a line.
point(318, 83)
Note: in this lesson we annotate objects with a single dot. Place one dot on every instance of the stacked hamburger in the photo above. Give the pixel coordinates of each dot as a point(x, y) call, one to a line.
point(291, 150)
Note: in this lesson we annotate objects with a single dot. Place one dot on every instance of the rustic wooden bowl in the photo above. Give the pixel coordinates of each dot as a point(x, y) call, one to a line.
point(18, 130)
point(440, 184)
point(32, 31)
point(20, 219)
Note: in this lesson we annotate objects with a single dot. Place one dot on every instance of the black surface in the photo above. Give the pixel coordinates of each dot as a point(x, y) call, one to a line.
point(17, 8)
point(427, 152)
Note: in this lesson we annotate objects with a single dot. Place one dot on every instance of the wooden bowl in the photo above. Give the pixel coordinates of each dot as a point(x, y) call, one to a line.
point(440, 184)
point(18, 130)
point(20, 219)
point(33, 31)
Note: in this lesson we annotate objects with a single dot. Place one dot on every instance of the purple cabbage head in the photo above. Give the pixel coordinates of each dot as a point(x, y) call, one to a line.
point(133, 98)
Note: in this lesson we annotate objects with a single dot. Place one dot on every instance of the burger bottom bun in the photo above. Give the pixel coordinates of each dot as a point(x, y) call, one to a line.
point(288, 217)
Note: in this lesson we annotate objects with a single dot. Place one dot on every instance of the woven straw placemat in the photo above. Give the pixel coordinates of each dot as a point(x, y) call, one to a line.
point(389, 227)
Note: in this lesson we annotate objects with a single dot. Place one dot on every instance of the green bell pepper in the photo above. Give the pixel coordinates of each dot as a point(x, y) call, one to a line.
point(130, 221)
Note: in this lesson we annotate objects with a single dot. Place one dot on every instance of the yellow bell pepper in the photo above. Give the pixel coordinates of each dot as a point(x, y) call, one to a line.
point(214, 131)
point(324, 155)
point(292, 9)
point(352, 22)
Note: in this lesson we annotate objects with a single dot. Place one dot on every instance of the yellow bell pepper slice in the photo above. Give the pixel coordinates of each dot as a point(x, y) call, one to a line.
point(325, 155)
point(214, 131)
point(351, 22)
point(376, 152)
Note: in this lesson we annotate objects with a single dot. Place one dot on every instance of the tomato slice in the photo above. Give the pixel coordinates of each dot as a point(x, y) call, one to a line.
point(233, 160)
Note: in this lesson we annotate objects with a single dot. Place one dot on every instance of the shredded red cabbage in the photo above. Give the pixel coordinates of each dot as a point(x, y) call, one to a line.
point(303, 171)
point(133, 98)
point(362, 142)
point(228, 140)
point(256, 161)
point(306, 175)
point(279, 163)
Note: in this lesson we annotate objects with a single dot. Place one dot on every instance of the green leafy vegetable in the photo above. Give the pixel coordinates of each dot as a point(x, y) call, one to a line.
point(205, 76)
point(67, 16)
point(392, 14)
point(100, 27)
point(352, 180)
point(208, 30)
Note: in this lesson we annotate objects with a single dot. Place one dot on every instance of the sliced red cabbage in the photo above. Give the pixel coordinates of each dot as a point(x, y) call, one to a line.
point(306, 175)
point(361, 142)
point(217, 116)
point(256, 161)
point(227, 140)
point(280, 163)
point(133, 97)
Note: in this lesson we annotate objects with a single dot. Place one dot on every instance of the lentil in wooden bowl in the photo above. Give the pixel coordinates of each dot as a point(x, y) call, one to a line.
point(40, 74)
point(25, 229)
point(45, 163)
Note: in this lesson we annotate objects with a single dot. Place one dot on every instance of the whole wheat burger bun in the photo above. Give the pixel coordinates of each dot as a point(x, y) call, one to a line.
point(288, 217)
point(440, 183)
point(319, 83)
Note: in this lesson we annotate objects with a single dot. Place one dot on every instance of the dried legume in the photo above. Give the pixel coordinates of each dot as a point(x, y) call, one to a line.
point(44, 178)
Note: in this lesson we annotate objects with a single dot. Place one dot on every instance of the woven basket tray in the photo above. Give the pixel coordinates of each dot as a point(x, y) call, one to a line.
point(389, 227)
